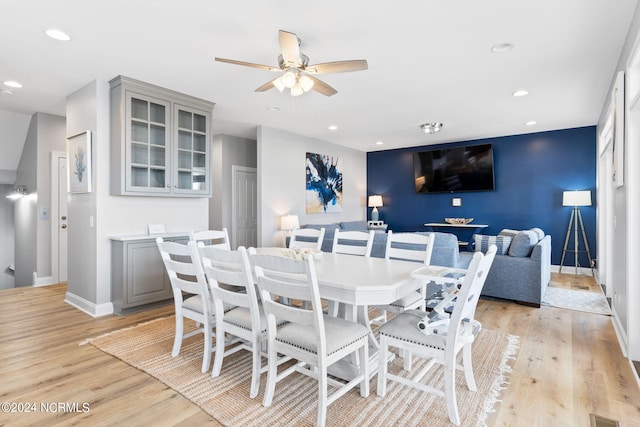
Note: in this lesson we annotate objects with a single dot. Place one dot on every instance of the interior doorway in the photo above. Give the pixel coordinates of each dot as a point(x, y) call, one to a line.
point(244, 211)
point(59, 223)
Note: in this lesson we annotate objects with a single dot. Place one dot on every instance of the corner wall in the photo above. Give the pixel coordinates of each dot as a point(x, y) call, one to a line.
point(281, 182)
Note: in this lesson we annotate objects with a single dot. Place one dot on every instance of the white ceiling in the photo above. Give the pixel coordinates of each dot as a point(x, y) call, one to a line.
point(428, 61)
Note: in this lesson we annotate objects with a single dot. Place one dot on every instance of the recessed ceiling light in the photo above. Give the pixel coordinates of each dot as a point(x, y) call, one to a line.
point(333, 127)
point(501, 48)
point(531, 123)
point(379, 143)
point(274, 108)
point(12, 83)
point(6, 92)
point(58, 35)
point(520, 92)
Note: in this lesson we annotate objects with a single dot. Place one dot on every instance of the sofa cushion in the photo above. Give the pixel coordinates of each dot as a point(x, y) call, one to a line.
point(523, 243)
point(508, 232)
point(539, 233)
point(482, 243)
point(354, 226)
point(319, 226)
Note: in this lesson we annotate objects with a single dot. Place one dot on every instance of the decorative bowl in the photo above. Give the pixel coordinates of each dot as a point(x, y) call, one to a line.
point(303, 253)
point(458, 221)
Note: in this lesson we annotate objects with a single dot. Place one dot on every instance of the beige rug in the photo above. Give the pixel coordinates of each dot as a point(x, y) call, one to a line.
point(148, 348)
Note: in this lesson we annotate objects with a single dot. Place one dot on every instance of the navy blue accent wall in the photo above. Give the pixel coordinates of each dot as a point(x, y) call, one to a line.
point(531, 171)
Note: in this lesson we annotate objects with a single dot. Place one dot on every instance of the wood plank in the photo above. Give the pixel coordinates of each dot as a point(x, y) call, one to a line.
point(569, 365)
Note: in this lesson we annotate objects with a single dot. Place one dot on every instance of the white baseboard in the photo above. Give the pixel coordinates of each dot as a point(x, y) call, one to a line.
point(571, 270)
point(42, 281)
point(92, 309)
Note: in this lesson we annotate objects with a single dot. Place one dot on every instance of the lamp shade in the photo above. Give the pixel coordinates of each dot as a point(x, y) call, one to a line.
point(289, 222)
point(375, 201)
point(576, 198)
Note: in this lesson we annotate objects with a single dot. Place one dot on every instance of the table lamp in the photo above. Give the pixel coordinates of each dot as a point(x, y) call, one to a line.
point(375, 202)
point(289, 223)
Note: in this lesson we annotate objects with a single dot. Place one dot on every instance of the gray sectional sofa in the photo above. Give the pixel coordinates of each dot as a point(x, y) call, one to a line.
point(521, 273)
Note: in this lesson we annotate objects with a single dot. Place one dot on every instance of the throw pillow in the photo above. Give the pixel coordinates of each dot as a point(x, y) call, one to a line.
point(508, 232)
point(482, 243)
point(523, 244)
point(319, 226)
point(538, 232)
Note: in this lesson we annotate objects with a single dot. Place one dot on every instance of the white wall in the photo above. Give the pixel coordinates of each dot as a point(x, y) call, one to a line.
point(281, 182)
point(626, 206)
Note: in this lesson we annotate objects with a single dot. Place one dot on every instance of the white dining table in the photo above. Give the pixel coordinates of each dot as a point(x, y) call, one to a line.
point(356, 282)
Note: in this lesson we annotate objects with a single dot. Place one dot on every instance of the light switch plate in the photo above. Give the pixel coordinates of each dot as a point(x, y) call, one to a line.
point(456, 201)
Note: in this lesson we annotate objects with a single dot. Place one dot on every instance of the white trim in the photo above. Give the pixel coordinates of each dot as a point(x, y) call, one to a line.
point(93, 310)
point(43, 281)
point(55, 156)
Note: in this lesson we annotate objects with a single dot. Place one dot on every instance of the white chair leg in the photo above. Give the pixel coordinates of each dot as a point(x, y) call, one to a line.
point(322, 396)
point(220, 344)
point(208, 338)
point(468, 367)
point(177, 341)
point(382, 367)
point(272, 373)
point(407, 359)
point(364, 369)
point(257, 362)
point(450, 392)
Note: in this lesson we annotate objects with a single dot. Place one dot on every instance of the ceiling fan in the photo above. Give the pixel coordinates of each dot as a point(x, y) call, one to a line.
point(298, 74)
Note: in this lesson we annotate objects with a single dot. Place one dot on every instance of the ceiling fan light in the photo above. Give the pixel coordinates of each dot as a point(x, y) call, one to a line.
point(278, 84)
point(289, 79)
point(306, 82)
point(297, 90)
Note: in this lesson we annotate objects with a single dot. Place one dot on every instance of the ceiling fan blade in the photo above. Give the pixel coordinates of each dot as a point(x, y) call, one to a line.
point(268, 85)
point(338, 67)
point(247, 64)
point(290, 48)
point(321, 87)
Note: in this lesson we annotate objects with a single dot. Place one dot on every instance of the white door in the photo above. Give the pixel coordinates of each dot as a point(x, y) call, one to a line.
point(59, 216)
point(244, 215)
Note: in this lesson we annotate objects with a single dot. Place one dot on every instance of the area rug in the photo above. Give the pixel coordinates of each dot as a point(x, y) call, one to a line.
point(590, 302)
point(226, 398)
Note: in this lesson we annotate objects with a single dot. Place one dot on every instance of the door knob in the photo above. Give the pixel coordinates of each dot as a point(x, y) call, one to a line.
point(63, 226)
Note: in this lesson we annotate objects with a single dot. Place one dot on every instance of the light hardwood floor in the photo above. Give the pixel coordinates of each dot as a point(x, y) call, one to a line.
point(569, 365)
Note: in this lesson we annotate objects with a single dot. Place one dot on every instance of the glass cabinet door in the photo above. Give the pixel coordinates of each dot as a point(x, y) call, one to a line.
point(148, 138)
point(192, 151)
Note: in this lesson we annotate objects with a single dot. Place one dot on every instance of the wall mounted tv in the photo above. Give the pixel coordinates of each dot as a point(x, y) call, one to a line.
point(454, 169)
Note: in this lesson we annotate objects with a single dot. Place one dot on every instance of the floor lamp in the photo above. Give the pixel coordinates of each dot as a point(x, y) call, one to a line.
point(576, 199)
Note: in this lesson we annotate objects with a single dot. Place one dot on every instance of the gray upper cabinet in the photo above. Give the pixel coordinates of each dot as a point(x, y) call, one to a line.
point(160, 141)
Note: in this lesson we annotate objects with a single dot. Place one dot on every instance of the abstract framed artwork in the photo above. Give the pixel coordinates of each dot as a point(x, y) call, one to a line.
point(79, 162)
point(323, 183)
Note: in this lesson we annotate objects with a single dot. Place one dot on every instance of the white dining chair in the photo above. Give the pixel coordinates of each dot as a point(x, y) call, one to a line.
point(302, 238)
point(219, 238)
point(407, 247)
point(246, 321)
point(440, 343)
point(353, 242)
point(309, 336)
point(191, 295)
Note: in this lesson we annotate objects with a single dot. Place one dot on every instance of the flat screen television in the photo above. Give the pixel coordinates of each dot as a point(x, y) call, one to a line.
point(456, 169)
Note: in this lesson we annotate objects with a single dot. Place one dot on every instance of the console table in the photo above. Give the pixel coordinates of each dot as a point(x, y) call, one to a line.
point(445, 226)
